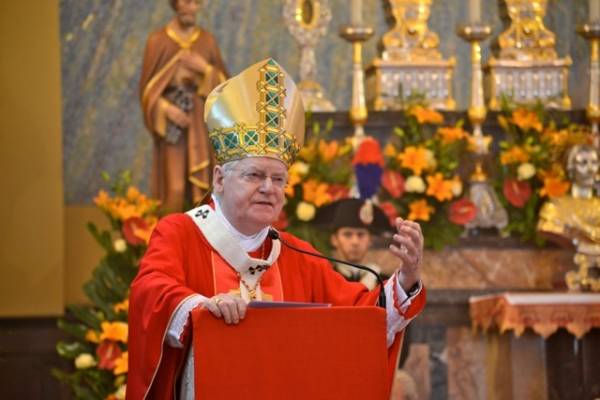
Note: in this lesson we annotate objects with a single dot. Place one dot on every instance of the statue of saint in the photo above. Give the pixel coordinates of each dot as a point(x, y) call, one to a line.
point(575, 219)
point(411, 39)
point(182, 64)
point(527, 38)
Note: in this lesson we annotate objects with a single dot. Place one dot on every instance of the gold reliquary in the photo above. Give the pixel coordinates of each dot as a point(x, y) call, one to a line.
point(410, 63)
point(528, 69)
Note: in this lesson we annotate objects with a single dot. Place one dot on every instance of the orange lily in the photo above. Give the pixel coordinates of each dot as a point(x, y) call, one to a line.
point(316, 192)
point(328, 151)
point(116, 331)
point(414, 158)
point(515, 154)
point(451, 134)
point(121, 364)
point(426, 115)
point(420, 210)
point(554, 187)
point(526, 119)
point(439, 188)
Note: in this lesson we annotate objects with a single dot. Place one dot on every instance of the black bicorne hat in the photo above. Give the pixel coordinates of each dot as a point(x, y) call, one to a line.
point(353, 213)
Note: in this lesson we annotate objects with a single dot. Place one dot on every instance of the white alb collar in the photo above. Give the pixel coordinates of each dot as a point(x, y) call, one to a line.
point(248, 243)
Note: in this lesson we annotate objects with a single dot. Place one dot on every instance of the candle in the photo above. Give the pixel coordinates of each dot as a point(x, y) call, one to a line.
point(356, 13)
point(594, 10)
point(475, 11)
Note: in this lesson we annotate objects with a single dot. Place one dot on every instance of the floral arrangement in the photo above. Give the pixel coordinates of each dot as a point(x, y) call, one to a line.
point(420, 181)
point(99, 331)
point(531, 164)
point(321, 174)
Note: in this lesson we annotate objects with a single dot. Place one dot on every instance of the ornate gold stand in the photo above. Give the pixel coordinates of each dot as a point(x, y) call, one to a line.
point(410, 62)
point(307, 21)
point(358, 109)
point(489, 210)
point(591, 32)
point(528, 68)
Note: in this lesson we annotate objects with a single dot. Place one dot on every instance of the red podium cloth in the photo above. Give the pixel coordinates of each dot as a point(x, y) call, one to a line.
point(293, 353)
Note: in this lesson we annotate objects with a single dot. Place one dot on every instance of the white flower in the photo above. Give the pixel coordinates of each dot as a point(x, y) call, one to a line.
point(85, 360)
point(120, 393)
point(305, 211)
point(457, 187)
point(299, 168)
point(414, 184)
point(525, 171)
point(120, 245)
point(430, 159)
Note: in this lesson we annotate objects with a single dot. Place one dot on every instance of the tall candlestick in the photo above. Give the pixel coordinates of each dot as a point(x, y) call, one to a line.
point(594, 10)
point(356, 13)
point(475, 11)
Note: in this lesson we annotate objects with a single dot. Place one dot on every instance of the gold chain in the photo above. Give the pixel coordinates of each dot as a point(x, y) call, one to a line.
point(252, 289)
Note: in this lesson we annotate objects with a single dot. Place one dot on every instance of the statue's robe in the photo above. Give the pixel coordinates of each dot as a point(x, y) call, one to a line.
point(183, 168)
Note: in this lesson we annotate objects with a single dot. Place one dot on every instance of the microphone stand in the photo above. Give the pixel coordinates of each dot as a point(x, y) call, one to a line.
point(274, 235)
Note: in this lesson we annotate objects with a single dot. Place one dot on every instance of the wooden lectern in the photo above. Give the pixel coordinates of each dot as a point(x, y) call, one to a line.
point(293, 353)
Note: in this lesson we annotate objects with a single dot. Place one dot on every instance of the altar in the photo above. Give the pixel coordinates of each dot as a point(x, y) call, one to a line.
point(553, 349)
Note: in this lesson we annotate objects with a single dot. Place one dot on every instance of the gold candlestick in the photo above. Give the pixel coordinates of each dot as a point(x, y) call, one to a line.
point(591, 32)
point(475, 34)
point(490, 212)
point(356, 35)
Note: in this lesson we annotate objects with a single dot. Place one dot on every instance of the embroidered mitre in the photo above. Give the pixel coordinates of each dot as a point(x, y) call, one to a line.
point(258, 113)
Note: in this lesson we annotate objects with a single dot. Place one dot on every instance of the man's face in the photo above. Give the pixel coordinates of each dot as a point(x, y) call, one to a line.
point(186, 12)
point(252, 193)
point(352, 244)
point(586, 167)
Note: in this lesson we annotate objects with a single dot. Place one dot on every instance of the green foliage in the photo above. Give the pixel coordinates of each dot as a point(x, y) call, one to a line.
point(93, 324)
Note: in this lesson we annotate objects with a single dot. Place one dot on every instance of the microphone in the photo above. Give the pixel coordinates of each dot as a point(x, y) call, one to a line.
point(274, 235)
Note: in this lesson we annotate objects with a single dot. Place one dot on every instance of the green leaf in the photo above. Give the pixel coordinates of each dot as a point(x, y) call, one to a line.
point(70, 350)
point(74, 329)
point(85, 314)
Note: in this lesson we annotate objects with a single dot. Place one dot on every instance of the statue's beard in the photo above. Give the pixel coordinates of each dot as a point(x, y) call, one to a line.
point(186, 20)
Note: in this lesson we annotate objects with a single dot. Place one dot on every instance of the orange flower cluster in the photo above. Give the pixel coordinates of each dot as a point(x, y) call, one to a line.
point(420, 210)
point(554, 186)
point(316, 192)
point(116, 331)
point(515, 154)
point(133, 204)
point(439, 187)
point(328, 151)
point(556, 138)
point(426, 115)
point(451, 134)
point(416, 159)
point(526, 119)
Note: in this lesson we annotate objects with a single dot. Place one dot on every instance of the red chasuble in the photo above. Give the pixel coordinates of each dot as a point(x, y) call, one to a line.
point(180, 262)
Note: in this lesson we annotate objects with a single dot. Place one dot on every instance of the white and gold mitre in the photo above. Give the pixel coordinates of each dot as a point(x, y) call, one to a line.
point(257, 113)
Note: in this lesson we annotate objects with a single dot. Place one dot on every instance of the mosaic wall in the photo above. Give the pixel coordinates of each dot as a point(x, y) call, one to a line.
point(103, 42)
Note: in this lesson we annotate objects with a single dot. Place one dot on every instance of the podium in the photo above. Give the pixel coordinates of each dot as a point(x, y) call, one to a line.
point(293, 353)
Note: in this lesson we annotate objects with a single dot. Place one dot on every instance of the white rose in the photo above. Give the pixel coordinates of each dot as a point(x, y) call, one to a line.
point(414, 184)
point(85, 360)
point(457, 187)
point(305, 211)
point(120, 245)
point(525, 171)
point(120, 393)
point(430, 159)
point(300, 168)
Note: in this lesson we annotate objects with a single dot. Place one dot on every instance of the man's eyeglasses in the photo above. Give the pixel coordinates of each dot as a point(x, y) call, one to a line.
point(259, 177)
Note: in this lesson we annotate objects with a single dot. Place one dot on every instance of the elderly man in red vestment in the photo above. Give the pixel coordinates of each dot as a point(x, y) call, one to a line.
point(182, 64)
point(220, 255)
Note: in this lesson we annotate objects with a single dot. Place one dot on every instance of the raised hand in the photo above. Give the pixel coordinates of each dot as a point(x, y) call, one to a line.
point(407, 245)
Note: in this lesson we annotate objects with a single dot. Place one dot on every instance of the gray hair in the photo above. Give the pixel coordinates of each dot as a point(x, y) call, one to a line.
point(226, 169)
